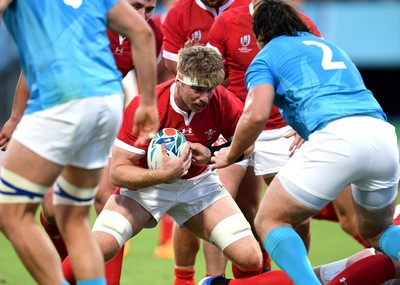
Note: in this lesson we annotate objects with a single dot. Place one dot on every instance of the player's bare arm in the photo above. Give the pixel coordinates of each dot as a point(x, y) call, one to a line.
point(171, 65)
point(124, 172)
point(250, 125)
point(21, 97)
point(125, 20)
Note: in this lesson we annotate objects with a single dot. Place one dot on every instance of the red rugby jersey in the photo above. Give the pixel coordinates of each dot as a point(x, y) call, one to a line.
point(219, 117)
point(190, 19)
point(233, 36)
point(121, 48)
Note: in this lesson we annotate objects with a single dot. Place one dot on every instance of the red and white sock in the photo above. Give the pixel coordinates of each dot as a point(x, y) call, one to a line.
point(372, 270)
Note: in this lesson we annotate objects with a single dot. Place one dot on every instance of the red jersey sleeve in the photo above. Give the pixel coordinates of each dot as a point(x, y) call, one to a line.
point(313, 28)
point(159, 37)
point(231, 109)
point(121, 48)
point(173, 31)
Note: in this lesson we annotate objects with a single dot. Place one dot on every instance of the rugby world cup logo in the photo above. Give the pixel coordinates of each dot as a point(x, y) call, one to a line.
point(196, 36)
point(245, 40)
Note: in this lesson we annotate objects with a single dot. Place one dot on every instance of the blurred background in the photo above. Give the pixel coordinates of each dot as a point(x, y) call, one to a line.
point(368, 30)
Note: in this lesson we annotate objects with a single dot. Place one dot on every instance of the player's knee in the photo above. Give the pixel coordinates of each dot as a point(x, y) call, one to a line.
point(66, 193)
point(17, 189)
point(230, 230)
point(251, 262)
point(375, 208)
point(114, 224)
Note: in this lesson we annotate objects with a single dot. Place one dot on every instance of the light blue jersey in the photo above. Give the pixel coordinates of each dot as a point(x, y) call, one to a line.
point(315, 82)
point(64, 50)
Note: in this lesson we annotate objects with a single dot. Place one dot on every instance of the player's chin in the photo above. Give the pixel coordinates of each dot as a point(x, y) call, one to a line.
point(199, 108)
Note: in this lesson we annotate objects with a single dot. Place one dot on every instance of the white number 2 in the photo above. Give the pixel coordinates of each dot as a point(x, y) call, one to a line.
point(327, 62)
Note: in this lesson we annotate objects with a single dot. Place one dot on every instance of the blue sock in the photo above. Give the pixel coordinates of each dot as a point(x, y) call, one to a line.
point(289, 253)
point(390, 242)
point(95, 281)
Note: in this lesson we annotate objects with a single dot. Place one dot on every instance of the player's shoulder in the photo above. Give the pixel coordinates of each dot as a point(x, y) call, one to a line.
point(222, 94)
point(157, 30)
point(239, 3)
point(163, 90)
point(233, 15)
point(241, 8)
point(180, 6)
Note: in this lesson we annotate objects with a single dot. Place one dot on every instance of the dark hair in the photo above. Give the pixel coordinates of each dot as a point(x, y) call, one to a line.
point(273, 18)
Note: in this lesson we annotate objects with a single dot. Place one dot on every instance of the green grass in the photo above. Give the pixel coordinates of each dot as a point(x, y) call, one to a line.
point(328, 243)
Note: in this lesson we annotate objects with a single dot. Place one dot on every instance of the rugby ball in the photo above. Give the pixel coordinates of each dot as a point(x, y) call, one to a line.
point(175, 142)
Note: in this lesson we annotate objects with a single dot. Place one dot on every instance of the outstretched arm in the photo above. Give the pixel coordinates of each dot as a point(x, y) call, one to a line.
point(255, 115)
point(125, 20)
point(21, 97)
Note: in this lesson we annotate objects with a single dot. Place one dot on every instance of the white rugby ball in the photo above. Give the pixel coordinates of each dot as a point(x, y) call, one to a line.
point(175, 142)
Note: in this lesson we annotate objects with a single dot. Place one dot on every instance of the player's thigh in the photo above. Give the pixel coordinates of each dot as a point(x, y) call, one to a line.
point(249, 192)
point(137, 216)
point(271, 213)
point(231, 176)
point(344, 209)
point(24, 162)
point(203, 223)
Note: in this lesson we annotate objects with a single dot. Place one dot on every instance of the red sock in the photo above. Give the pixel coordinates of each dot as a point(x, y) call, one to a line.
point(165, 231)
point(266, 261)
point(67, 270)
point(184, 276)
point(268, 278)
point(55, 236)
point(364, 243)
point(237, 273)
point(113, 268)
point(372, 270)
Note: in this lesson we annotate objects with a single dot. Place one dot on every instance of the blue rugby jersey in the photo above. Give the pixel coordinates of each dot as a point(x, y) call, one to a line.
point(64, 50)
point(315, 82)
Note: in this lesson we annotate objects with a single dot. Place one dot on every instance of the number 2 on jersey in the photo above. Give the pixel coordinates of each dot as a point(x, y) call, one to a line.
point(327, 63)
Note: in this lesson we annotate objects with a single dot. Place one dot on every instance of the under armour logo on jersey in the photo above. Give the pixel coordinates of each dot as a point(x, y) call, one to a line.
point(118, 50)
point(73, 3)
point(196, 36)
point(343, 280)
point(187, 131)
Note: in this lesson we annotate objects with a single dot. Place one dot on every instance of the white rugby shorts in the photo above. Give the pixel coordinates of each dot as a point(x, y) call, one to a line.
point(78, 133)
point(271, 151)
point(181, 199)
point(360, 150)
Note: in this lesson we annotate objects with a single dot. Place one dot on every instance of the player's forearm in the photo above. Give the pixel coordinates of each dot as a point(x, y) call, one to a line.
point(245, 135)
point(134, 177)
point(21, 97)
point(144, 57)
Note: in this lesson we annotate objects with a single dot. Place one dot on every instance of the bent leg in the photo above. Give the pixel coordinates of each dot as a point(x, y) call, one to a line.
point(186, 246)
point(22, 187)
point(275, 225)
point(223, 224)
